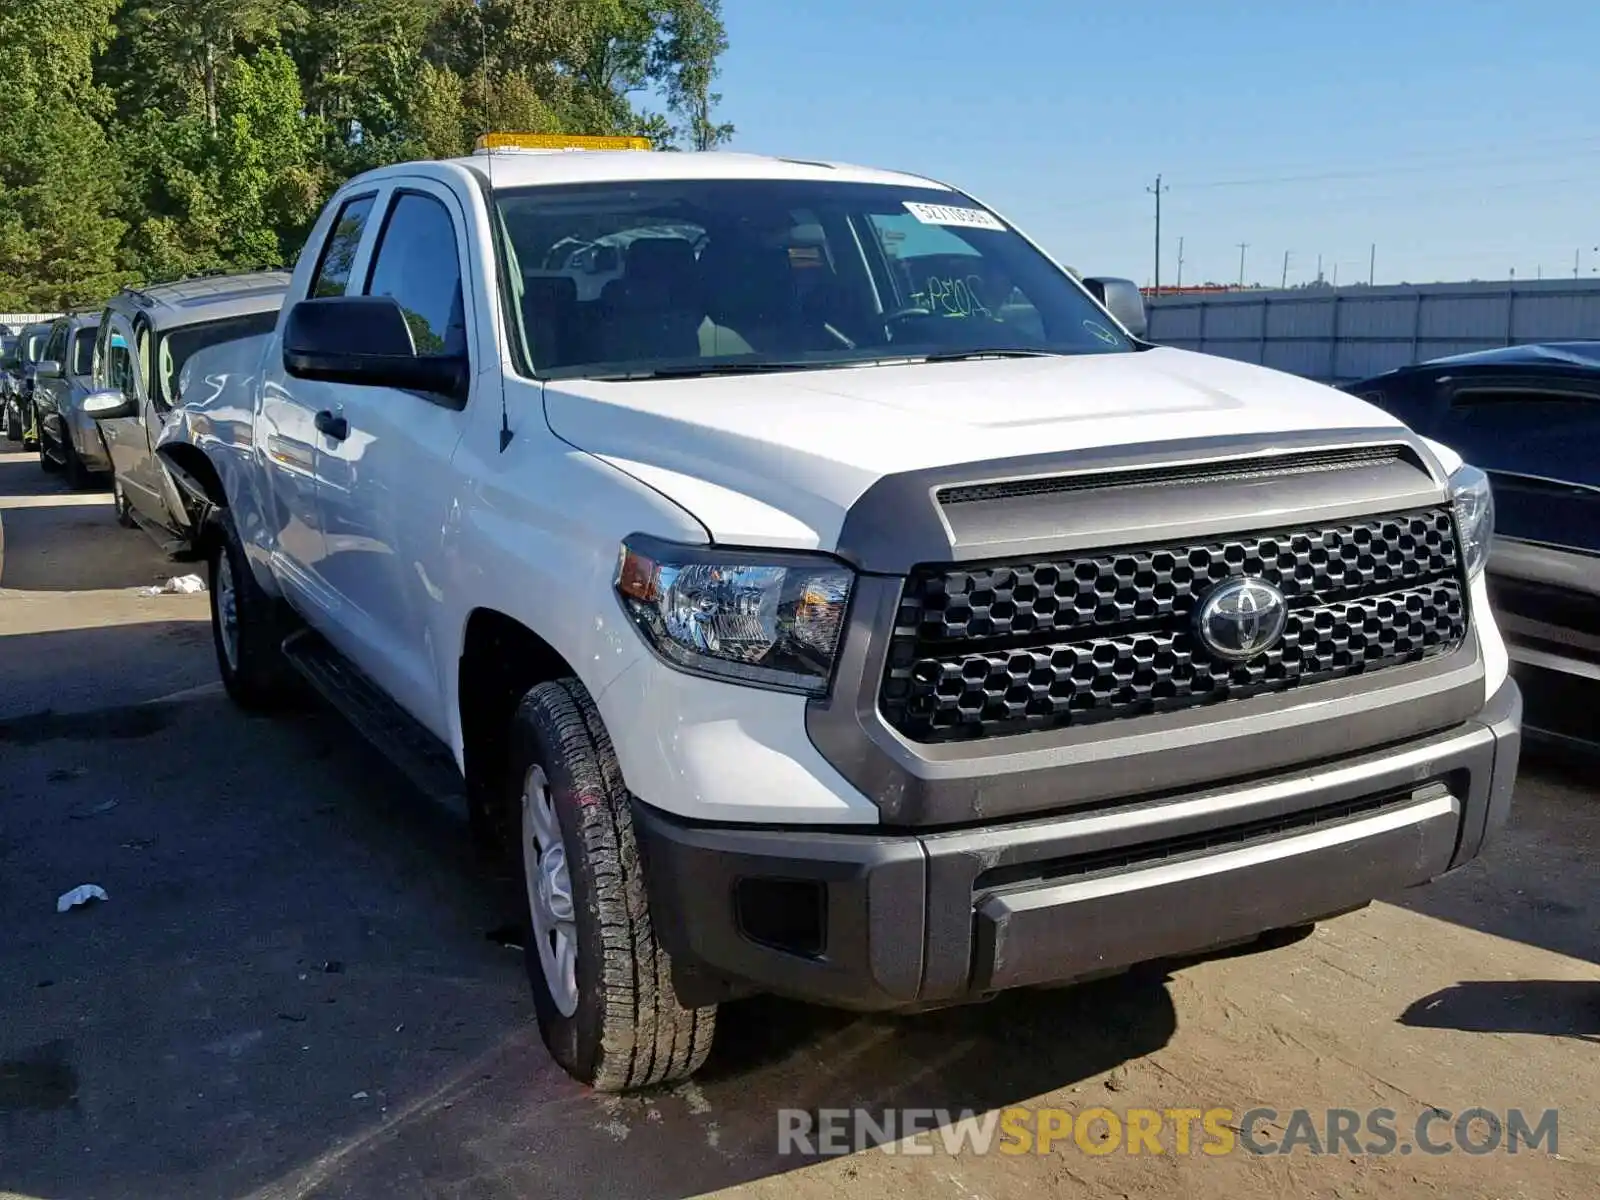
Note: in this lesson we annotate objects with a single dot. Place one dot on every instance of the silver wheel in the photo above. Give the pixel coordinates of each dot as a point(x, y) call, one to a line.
point(227, 610)
point(549, 883)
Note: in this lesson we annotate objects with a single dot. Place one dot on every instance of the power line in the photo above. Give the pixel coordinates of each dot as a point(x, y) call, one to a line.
point(1478, 158)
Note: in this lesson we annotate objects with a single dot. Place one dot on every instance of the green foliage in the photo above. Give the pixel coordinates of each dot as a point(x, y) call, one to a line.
point(148, 139)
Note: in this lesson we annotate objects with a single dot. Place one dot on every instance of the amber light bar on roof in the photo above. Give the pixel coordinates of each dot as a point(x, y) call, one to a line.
point(559, 141)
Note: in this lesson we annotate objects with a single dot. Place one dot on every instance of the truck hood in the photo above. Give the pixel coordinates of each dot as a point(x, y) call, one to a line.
point(777, 460)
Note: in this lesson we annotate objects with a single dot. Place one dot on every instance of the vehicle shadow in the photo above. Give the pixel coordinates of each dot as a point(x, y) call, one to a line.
point(50, 676)
point(1537, 879)
point(74, 544)
point(1555, 1007)
point(294, 989)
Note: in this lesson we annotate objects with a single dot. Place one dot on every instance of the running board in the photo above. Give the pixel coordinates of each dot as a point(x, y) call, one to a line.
point(395, 733)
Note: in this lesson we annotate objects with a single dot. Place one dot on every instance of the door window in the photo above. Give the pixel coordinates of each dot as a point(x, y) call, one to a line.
point(120, 369)
point(417, 263)
point(83, 350)
point(55, 350)
point(339, 255)
point(1537, 445)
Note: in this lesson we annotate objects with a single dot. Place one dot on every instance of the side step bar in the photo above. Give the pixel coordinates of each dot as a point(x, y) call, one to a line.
point(396, 734)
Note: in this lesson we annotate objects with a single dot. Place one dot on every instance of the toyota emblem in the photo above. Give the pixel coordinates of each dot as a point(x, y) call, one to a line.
point(1241, 619)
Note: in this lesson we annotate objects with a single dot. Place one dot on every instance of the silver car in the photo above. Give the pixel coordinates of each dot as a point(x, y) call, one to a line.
point(69, 439)
point(147, 335)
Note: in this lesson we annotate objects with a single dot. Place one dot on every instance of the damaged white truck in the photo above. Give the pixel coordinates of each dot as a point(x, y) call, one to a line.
point(818, 590)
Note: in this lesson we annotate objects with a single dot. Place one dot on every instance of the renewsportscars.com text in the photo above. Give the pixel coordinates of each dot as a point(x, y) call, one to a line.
point(1379, 1132)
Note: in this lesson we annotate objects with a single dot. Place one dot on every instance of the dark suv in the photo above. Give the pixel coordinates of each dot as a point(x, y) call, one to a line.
point(1530, 417)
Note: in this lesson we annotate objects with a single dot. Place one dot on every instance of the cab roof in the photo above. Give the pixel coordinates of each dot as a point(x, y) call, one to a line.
point(516, 167)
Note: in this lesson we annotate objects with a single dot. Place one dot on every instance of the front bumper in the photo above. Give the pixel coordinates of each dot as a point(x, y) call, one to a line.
point(879, 921)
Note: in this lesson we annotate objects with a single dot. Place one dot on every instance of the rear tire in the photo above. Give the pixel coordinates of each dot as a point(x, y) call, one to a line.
point(606, 1005)
point(47, 464)
point(78, 477)
point(245, 627)
point(13, 423)
point(121, 506)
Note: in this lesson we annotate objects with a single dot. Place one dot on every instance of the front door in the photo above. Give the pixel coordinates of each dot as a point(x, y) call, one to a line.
point(127, 440)
point(385, 492)
point(287, 429)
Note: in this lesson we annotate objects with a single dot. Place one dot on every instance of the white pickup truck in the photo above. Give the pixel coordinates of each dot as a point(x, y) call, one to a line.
point(836, 598)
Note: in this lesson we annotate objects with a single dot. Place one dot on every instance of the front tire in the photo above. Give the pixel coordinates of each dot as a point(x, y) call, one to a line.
point(602, 984)
point(245, 628)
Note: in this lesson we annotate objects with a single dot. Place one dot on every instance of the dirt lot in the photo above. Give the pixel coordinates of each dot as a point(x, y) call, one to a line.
point(294, 989)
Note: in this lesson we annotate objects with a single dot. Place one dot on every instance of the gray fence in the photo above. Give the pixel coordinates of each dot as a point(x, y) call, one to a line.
point(1341, 334)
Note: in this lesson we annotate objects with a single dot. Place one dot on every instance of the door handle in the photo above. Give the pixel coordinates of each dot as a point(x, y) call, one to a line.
point(335, 427)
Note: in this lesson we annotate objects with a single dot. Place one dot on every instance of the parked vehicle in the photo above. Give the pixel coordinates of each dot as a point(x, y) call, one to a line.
point(147, 336)
point(30, 349)
point(844, 602)
point(10, 388)
point(69, 439)
point(1530, 417)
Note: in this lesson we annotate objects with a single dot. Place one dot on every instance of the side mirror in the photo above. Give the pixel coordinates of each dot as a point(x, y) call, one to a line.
point(107, 405)
point(366, 341)
point(47, 368)
point(1123, 300)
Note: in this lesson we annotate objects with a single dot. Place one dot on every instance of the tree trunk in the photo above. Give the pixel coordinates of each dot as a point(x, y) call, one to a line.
point(211, 86)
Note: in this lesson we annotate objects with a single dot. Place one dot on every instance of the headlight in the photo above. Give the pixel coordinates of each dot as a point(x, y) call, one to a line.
point(770, 620)
point(1469, 491)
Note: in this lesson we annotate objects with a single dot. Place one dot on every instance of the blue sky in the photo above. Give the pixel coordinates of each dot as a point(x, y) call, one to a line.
point(1462, 137)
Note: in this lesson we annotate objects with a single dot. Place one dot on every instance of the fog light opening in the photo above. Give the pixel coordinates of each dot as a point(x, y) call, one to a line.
point(790, 915)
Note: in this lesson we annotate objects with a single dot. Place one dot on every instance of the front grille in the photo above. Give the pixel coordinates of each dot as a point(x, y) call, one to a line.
point(1018, 647)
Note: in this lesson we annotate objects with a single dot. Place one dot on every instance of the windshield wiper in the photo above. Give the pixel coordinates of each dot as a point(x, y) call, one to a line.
point(996, 352)
point(694, 370)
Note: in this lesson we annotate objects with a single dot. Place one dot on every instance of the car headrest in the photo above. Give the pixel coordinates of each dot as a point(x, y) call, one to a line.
point(660, 259)
point(748, 284)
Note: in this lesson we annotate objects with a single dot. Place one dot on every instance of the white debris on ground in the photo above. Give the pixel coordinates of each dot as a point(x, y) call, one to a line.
point(82, 894)
point(180, 585)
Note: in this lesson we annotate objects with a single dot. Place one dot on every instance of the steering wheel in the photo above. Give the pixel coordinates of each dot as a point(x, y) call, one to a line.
point(911, 312)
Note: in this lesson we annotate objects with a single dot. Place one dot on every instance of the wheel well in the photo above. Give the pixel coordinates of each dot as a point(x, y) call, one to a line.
point(501, 659)
point(192, 463)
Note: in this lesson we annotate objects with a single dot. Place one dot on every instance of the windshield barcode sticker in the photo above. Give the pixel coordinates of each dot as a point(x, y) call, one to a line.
point(948, 214)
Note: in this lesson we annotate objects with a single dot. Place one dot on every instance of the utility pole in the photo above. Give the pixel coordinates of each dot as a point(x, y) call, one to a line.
point(1319, 268)
point(1285, 282)
point(1575, 254)
point(1243, 246)
point(1372, 264)
point(1180, 264)
point(1335, 274)
point(1157, 190)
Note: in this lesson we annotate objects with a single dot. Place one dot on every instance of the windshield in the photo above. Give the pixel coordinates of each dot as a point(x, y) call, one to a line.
point(688, 275)
point(180, 344)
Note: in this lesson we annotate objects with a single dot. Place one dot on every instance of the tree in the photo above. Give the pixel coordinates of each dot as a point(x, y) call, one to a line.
point(692, 38)
point(148, 139)
point(58, 184)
